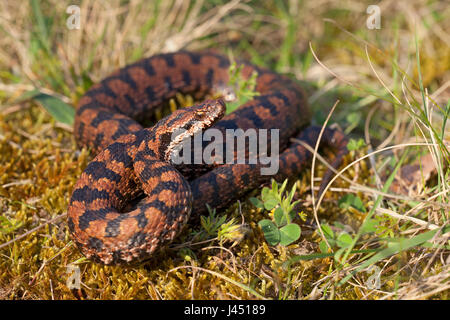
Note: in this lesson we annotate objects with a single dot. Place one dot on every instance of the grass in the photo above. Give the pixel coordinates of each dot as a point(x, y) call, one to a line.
point(390, 88)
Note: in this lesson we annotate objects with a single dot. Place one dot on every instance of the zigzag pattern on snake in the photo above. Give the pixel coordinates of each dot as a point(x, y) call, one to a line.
point(131, 200)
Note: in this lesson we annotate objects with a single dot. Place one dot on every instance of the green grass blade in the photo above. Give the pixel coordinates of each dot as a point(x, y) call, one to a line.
point(41, 24)
point(57, 108)
point(401, 245)
point(372, 211)
point(313, 256)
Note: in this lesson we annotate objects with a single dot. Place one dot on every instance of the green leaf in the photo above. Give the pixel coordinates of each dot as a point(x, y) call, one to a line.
point(323, 247)
point(271, 232)
point(283, 186)
point(289, 234)
point(266, 194)
point(221, 221)
point(358, 204)
point(292, 214)
point(355, 144)
point(60, 110)
point(354, 118)
point(270, 204)
point(204, 223)
point(274, 187)
point(350, 200)
point(278, 215)
point(329, 234)
point(369, 226)
point(291, 195)
point(346, 201)
point(344, 240)
point(339, 225)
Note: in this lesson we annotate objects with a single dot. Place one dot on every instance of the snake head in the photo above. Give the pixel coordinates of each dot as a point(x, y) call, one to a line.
point(185, 123)
point(204, 115)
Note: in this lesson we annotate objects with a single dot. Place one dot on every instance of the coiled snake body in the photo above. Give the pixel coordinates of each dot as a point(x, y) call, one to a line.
point(134, 161)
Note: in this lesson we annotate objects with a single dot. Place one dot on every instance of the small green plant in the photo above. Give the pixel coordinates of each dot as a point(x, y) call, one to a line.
point(354, 145)
point(9, 225)
point(218, 227)
point(350, 200)
point(212, 223)
point(341, 239)
point(281, 229)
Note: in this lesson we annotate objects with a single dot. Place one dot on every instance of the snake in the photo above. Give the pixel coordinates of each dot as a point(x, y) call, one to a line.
point(132, 199)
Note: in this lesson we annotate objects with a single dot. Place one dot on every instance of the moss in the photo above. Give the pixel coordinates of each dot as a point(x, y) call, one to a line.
point(39, 170)
point(40, 164)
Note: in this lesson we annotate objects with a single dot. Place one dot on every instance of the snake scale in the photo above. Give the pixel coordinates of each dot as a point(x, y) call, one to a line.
point(131, 200)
